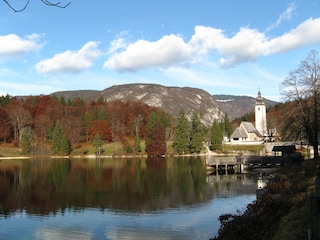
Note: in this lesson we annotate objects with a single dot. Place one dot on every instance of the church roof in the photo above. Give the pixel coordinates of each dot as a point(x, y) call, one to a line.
point(243, 129)
point(239, 132)
point(250, 128)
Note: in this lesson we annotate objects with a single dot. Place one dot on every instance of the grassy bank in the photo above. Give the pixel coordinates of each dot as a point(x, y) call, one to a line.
point(284, 210)
point(113, 149)
point(83, 150)
point(9, 150)
point(243, 148)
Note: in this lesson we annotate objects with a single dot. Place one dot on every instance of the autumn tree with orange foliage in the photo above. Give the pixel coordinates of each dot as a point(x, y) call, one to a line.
point(100, 127)
point(5, 125)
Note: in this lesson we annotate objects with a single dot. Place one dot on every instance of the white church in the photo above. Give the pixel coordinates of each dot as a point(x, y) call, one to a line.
point(247, 133)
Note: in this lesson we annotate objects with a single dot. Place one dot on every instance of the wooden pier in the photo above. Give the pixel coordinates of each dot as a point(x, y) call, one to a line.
point(236, 164)
point(284, 155)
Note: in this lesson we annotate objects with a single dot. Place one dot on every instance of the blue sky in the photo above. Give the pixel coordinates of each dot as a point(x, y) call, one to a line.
point(223, 47)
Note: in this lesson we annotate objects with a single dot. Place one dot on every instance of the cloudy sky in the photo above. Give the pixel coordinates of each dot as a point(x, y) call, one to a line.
point(224, 47)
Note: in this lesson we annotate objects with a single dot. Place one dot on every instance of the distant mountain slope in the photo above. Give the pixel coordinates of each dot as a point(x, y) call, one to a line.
point(87, 95)
point(237, 106)
point(171, 99)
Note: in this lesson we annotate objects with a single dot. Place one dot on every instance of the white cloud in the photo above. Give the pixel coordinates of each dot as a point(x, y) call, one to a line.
point(245, 46)
point(70, 61)
point(120, 43)
point(306, 33)
point(165, 52)
point(13, 46)
point(286, 15)
point(117, 44)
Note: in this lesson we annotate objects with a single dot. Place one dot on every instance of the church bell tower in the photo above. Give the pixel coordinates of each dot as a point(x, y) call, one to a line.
point(261, 116)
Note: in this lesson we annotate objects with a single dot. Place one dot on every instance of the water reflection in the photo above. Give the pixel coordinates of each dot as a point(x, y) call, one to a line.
point(169, 198)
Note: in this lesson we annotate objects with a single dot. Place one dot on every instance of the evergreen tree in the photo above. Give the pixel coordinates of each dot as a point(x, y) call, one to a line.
point(25, 142)
point(182, 138)
point(198, 131)
point(64, 145)
point(60, 142)
point(137, 142)
point(155, 136)
point(103, 114)
point(95, 114)
point(216, 135)
point(4, 100)
point(97, 143)
point(227, 126)
point(62, 101)
point(165, 120)
point(56, 136)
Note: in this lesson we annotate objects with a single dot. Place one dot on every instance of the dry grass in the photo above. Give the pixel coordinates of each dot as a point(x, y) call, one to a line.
point(9, 150)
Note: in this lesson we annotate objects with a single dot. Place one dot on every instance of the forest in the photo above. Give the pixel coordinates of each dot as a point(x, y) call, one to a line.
point(46, 125)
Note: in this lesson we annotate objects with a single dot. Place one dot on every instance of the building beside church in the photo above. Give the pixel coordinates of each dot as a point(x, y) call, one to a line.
point(247, 133)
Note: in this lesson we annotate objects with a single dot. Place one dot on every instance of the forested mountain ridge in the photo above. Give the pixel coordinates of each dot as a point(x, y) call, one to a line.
point(173, 99)
point(238, 106)
point(170, 99)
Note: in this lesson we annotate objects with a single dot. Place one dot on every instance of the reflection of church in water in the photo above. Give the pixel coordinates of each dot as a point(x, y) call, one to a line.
point(247, 132)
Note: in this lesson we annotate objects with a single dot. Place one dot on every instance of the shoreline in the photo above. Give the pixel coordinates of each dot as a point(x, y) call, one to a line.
point(115, 156)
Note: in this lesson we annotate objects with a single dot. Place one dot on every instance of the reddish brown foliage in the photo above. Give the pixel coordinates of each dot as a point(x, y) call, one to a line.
point(100, 127)
point(80, 121)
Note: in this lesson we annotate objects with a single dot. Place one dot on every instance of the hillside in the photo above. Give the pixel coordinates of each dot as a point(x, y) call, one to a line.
point(237, 106)
point(171, 99)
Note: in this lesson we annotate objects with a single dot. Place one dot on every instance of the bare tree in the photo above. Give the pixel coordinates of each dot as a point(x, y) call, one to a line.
point(20, 119)
point(303, 87)
point(46, 2)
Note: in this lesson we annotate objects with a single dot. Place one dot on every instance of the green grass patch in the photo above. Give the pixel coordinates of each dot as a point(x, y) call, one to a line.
point(243, 148)
point(10, 152)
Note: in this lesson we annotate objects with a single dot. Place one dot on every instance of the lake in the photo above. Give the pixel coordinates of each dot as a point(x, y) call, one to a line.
point(165, 198)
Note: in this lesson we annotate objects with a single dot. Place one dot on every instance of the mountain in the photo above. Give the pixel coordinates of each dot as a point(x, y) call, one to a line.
point(170, 99)
point(237, 106)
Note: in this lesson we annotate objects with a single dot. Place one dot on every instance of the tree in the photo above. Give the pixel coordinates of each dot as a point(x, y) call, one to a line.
point(4, 100)
point(26, 141)
point(101, 127)
point(6, 127)
point(137, 142)
point(60, 142)
point(64, 145)
point(20, 118)
point(46, 2)
point(216, 136)
point(303, 87)
point(97, 143)
point(155, 136)
point(182, 139)
point(56, 136)
point(198, 131)
point(227, 126)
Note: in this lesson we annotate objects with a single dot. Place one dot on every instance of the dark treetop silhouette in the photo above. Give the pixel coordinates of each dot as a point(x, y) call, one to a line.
point(47, 2)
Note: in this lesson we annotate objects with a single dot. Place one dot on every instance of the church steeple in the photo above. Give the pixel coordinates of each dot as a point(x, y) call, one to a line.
point(259, 98)
point(261, 115)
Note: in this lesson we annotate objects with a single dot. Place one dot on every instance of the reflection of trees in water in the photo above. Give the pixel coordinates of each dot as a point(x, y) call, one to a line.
point(58, 172)
point(191, 177)
point(156, 180)
point(25, 174)
point(121, 184)
point(97, 169)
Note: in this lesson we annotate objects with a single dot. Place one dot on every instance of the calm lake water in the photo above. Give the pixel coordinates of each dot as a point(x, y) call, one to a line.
point(170, 198)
